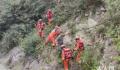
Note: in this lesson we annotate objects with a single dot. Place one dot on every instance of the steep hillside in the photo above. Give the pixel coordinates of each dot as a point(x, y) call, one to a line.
point(95, 21)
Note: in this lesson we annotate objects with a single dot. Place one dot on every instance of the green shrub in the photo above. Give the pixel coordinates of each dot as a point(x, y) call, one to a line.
point(11, 37)
point(17, 20)
point(29, 43)
point(111, 29)
point(72, 27)
point(33, 45)
point(113, 6)
point(90, 58)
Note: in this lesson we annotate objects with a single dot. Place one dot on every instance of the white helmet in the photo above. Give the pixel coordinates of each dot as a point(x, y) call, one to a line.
point(62, 46)
point(40, 20)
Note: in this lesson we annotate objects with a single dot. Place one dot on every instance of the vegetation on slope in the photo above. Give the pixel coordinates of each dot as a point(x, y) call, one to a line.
point(18, 19)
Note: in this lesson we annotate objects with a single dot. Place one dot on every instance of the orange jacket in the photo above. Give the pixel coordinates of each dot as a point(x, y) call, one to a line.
point(52, 34)
point(40, 25)
point(79, 45)
point(55, 32)
point(49, 14)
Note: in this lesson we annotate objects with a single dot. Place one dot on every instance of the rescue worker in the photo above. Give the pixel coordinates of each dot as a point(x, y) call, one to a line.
point(60, 40)
point(40, 26)
point(53, 35)
point(59, 43)
point(66, 56)
point(79, 47)
point(49, 16)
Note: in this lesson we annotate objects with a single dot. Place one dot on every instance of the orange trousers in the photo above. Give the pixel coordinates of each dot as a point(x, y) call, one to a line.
point(49, 20)
point(51, 40)
point(66, 64)
point(41, 34)
point(78, 56)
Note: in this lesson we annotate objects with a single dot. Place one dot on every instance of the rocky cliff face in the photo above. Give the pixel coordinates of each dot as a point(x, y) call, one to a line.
point(99, 50)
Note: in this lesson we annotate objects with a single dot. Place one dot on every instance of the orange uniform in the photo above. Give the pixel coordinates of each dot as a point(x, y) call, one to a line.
point(40, 27)
point(49, 16)
point(52, 36)
point(66, 57)
point(79, 46)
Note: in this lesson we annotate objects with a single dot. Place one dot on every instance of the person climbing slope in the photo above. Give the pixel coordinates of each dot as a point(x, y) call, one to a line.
point(79, 47)
point(53, 35)
point(40, 26)
point(60, 40)
point(66, 56)
point(49, 16)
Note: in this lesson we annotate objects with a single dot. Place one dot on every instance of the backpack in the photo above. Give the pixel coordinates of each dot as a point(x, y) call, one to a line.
point(67, 53)
point(81, 45)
